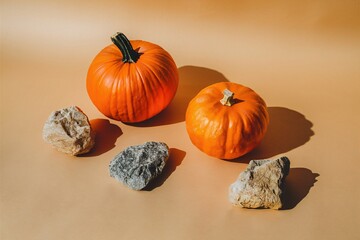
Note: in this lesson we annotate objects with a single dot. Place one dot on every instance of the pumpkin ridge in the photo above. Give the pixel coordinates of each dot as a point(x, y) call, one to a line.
point(144, 70)
point(252, 119)
point(227, 142)
point(212, 109)
point(120, 96)
point(236, 118)
point(105, 71)
point(241, 124)
point(111, 96)
point(156, 77)
point(156, 50)
point(138, 100)
point(114, 104)
point(159, 56)
point(112, 65)
point(101, 82)
point(214, 112)
point(144, 86)
point(143, 47)
point(159, 62)
point(204, 146)
point(129, 98)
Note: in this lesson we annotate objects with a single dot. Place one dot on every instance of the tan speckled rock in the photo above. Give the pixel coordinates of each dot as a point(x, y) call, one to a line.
point(69, 131)
point(260, 185)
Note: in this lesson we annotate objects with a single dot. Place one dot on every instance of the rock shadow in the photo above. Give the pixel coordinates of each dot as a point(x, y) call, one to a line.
point(106, 135)
point(175, 159)
point(288, 129)
point(297, 186)
point(192, 79)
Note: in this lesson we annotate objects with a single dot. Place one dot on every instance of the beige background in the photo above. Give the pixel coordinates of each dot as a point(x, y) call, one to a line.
point(302, 57)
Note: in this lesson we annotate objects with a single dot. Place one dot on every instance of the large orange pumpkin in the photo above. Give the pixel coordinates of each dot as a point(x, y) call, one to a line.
point(226, 120)
point(132, 81)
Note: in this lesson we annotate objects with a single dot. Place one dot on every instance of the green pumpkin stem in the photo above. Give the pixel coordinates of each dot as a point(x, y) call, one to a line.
point(129, 54)
point(228, 99)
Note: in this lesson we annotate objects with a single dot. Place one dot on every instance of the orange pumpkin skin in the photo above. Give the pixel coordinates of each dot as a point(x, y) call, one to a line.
point(226, 132)
point(132, 91)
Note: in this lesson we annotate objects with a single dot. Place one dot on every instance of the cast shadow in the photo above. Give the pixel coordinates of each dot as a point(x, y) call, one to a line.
point(175, 159)
point(287, 130)
point(297, 186)
point(192, 79)
point(106, 135)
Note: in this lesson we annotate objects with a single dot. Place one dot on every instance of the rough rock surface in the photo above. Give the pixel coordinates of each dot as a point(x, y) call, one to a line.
point(136, 166)
point(260, 185)
point(69, 131)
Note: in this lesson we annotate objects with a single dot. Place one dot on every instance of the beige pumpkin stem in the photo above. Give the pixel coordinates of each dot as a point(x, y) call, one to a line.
point(228, 99)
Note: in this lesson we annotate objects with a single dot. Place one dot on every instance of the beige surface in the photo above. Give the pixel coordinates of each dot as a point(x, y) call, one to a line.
point(302, 57)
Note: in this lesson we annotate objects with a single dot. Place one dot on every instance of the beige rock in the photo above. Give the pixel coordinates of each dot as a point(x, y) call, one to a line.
point(69, 131)
point(260, 185)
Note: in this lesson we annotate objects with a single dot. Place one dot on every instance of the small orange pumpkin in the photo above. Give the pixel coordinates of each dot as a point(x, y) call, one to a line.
point(226, 120)
point(132, 81)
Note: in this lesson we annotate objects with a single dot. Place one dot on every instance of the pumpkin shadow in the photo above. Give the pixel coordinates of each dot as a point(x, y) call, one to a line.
point(175, 159)
point(297, 186)
point(287, 130)
point(106, 135)
point(192, 79)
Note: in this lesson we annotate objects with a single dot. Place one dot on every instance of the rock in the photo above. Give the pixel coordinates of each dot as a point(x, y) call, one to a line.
point(69, 131)
point(261, 184)
point(136, 166)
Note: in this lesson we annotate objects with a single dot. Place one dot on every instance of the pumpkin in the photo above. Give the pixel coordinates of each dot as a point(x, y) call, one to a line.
point(132, 81)
point(226, 120)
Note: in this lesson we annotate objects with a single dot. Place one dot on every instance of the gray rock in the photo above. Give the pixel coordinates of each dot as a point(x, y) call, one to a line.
point(69, 131)
point(261, 184)
point(136, 166)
